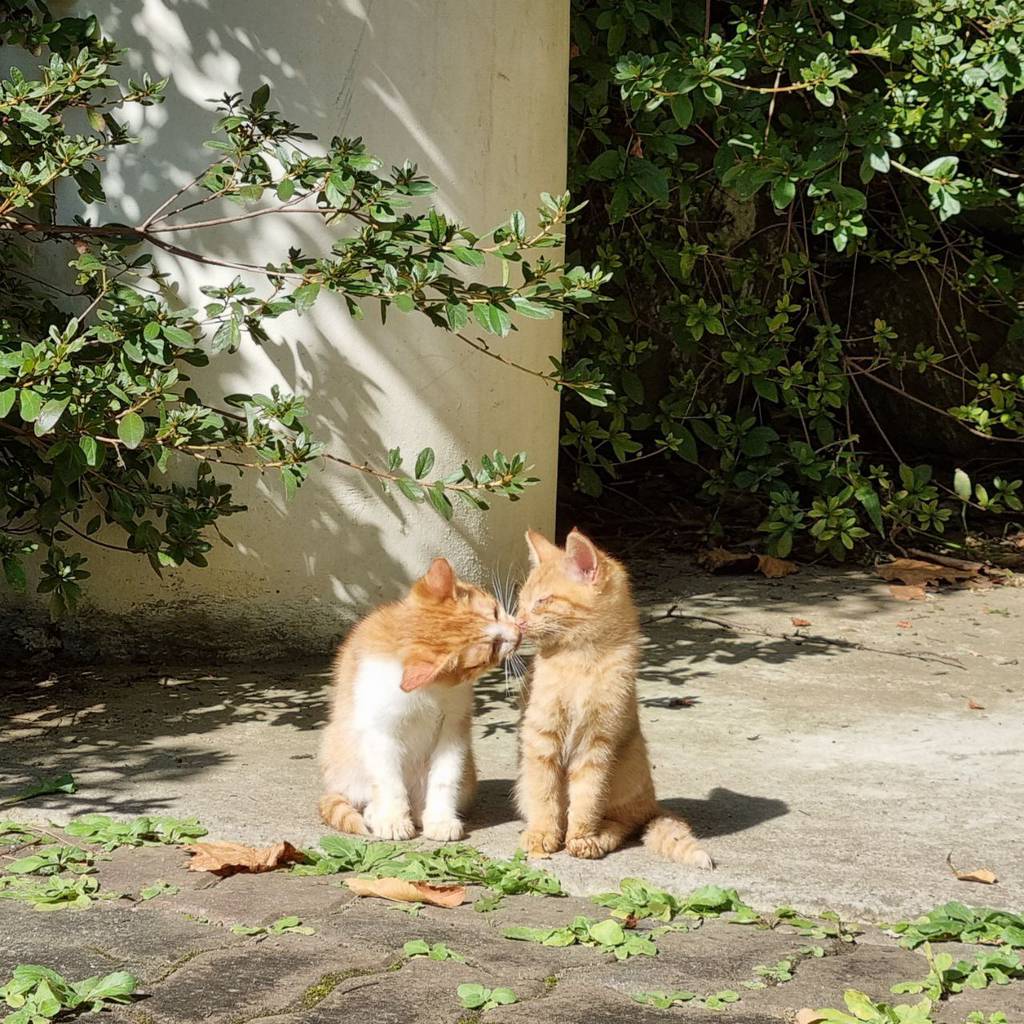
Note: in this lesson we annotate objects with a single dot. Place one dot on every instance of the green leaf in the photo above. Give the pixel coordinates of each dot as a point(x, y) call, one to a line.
point(492, 318)
point(258, 100)
point(651, 178)
point(783, 193)
point(49, 415)
point(962, 485)
point(682, 109)
point(757, 441)
point(411, 490)
point(424, 463)
point(131, 429)
point(7, 397)
point(31, 404)
point(305, 295)
point(471, 257)
point(533, 310)
point(608, 933)
point(606, 166)
point(178, 336)
point(441, 502)
point(151, 331)
point(473, 995)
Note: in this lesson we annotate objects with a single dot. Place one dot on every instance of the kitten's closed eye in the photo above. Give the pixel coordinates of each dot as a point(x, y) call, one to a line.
point(541, 601)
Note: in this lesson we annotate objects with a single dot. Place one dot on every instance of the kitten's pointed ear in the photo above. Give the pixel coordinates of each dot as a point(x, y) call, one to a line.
point(418, 673)
point(582, 559)
point(541, 549)
point(439, 581)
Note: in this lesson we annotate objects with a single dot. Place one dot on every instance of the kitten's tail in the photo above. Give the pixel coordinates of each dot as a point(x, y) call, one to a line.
point(337, 812)
point(670, 837)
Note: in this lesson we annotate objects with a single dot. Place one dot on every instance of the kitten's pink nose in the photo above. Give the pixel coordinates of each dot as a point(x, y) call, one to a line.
point(521, 626)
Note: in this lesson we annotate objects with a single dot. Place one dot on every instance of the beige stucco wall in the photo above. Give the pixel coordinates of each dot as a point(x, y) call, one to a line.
point(475, 92)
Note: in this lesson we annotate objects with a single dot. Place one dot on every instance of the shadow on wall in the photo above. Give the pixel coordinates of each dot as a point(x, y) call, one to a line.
point(336, 67)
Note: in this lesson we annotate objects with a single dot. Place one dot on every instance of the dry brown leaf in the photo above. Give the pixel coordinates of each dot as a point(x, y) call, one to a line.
point(975, 706)
point(720, 560)
point(906, 593)
point(915, 572)
point(775, 568)
point(401, 891)
point(982, 875)
point(807, 1016)
point(235, 858)
point(904, 624)
point(800, 622)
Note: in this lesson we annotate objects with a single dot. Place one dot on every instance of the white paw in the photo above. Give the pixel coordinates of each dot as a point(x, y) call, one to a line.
point(387, 823)
point(444, 830)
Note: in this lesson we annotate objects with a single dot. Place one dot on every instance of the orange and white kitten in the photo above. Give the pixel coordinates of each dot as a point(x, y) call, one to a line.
point(396, 749)
point(585, 779)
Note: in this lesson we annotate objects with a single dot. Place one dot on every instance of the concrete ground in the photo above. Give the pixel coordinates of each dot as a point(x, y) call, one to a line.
point(830, 765)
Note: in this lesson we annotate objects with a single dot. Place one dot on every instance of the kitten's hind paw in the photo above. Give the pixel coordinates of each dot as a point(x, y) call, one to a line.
point(537, 843)
point(444, 830)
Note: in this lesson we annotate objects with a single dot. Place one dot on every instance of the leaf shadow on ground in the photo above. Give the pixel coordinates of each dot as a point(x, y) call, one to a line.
point(115, 730)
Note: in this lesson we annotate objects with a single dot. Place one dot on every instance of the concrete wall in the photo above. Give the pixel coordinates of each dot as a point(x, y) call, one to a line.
point(475, 92)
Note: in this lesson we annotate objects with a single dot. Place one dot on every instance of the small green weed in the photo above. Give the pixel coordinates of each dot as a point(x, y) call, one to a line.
point(54, 893)
point(474, 996)
point(639, 900)
point(52, 860)
point(677, 997)
point(37, 995)
point(159, 888)
point(947, 978)
point(289, 925)
point(438, 951)
point(957, 922)
point(608, 935)
point(143, 831)
point(863, 1010)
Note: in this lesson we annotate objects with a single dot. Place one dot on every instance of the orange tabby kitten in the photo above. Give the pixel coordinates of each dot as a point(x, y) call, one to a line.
point(585, 779)
point(396, 750)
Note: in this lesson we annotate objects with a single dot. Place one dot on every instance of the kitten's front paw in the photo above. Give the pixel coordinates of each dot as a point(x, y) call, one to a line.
point(388, 823)
point(539, 843)
point(587, 847)
point(444, 830)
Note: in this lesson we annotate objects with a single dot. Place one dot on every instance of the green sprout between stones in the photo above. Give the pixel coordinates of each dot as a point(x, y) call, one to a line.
point(52, 860)
point(157, 889)
point(861, 1009)
point(289, 925)
point(639, 900)
point(957, 922)
point(946, 977)
point(679, 997)
point(54, 893)
point(38, 995)
point(438, 951)
point(608, 935)
point(475, 996)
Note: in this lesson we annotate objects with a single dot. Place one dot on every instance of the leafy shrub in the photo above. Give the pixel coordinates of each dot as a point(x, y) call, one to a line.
point(814, 216)
point(96, 402)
